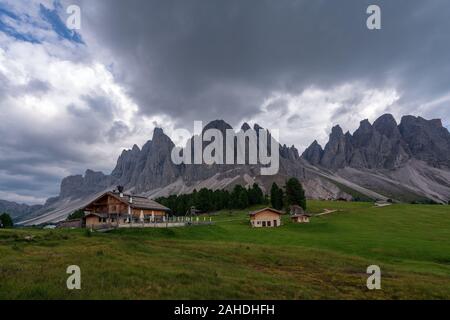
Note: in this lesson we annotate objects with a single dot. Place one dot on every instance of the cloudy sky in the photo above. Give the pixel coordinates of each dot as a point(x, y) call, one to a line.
point(72, 100)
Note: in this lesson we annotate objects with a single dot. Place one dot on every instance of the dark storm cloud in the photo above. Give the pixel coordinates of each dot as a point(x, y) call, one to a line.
point(34, 161)
point(209, 59)
point(220, 59)
point(118, 130)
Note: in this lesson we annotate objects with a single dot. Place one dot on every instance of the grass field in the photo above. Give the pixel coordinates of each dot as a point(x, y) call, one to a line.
point(326, 259)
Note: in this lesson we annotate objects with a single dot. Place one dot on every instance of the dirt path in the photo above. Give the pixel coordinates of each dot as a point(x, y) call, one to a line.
point(381, 205)
point(325, 211)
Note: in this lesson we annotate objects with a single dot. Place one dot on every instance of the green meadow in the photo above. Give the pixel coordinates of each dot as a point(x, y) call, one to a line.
point(325, 259)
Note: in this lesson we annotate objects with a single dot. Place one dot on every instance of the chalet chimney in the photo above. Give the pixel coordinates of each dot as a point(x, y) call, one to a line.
point(120, 189)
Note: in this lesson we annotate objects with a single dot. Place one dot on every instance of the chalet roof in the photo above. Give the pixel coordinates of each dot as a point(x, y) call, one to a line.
point(265, 209)
point(135, 202)
point(139, 202)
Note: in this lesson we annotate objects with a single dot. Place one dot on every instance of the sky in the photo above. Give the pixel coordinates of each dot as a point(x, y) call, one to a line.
point(74, 99)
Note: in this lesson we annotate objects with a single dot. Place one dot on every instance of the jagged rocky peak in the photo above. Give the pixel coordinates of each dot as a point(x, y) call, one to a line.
point(290, 153)
point(126, 161)
point(386, 125)
point(334, 155)
point(294, 152)
point(159, 136)
point(160, 145)
point(313, 154)
point(365, 125)
point(364, 135)
point(135, 149)
point(336, 131)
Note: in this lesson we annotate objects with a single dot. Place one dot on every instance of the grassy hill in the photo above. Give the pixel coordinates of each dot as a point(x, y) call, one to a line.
point(326, 259)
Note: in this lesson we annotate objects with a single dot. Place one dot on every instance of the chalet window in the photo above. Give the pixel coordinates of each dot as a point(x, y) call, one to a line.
point(269, 223)
point(99, 219)
point(263, 223)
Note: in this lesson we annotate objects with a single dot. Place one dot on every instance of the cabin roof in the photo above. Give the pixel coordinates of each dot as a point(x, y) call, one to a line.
point(138, 202)
point(296, 209)
point(265, 209)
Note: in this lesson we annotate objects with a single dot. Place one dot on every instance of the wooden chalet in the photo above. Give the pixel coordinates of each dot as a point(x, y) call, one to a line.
point(267, 217)
point(113, 209)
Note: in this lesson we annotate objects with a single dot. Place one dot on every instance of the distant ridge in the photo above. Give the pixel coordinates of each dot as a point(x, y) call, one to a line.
point(16, 210)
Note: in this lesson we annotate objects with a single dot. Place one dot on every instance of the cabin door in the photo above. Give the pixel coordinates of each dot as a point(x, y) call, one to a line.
point(274, 223)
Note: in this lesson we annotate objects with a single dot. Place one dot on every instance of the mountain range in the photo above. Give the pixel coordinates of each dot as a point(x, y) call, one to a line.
point(406, 162)
point(18, 211)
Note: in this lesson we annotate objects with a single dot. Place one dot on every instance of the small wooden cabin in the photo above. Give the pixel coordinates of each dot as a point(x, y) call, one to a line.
point(300, 218)
point(265, 218)
point(113, 209)
point(298, 214)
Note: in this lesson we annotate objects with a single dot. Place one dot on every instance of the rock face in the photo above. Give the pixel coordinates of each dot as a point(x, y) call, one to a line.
point(74, 187)
point(335, 152)
point(290, 153)
point(313, 153)
point(384, 145)
point(428, 140)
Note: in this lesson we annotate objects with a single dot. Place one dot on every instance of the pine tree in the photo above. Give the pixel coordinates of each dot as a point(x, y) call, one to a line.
point(239, 197)
point(204, 200)
point(276, 197)
point(255, 195)
point(6, 221)
point(295, 194)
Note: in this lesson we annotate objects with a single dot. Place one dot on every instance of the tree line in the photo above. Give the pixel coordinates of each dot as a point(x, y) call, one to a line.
point(207, 200)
